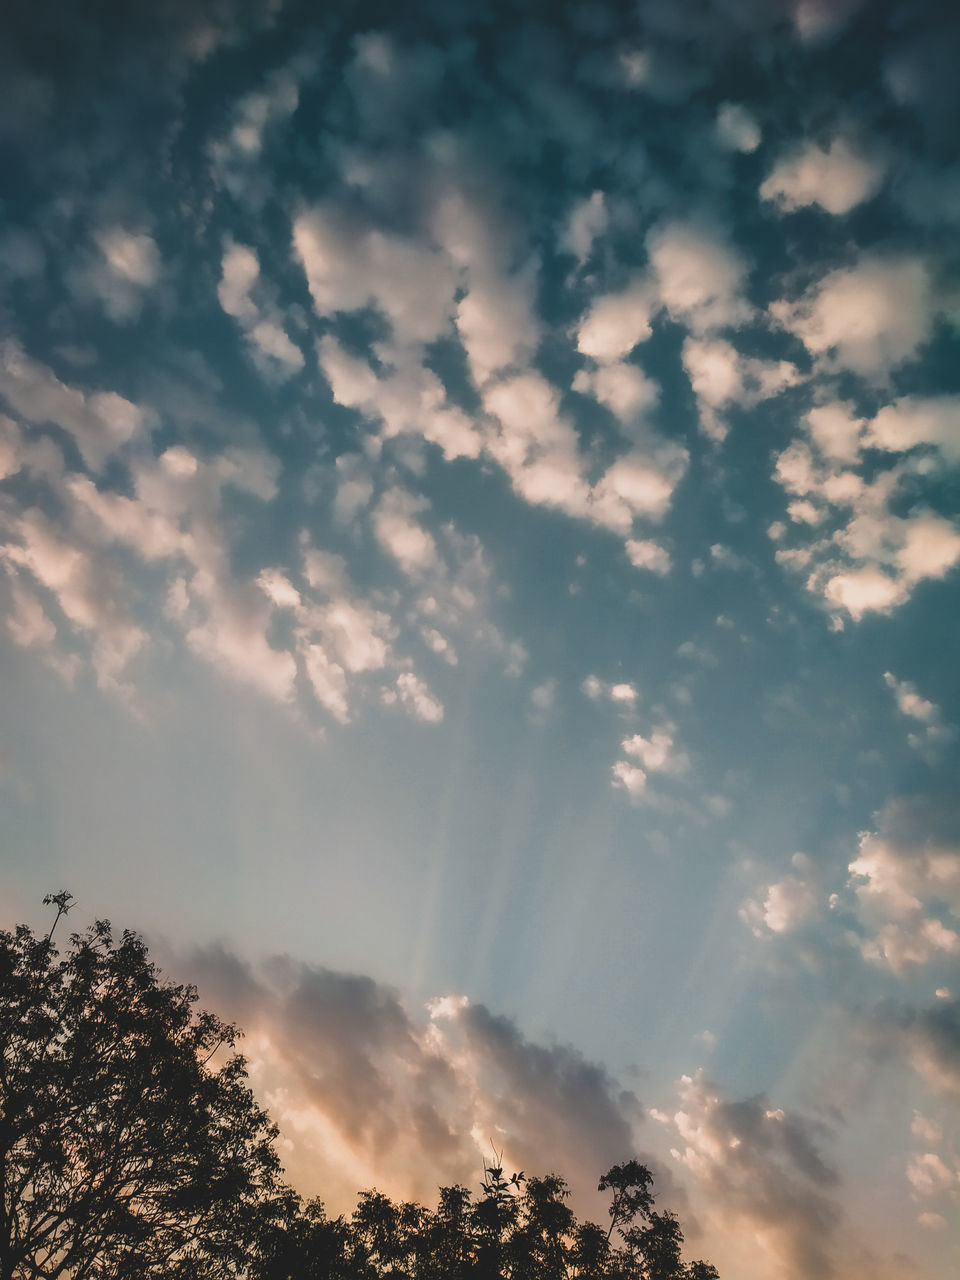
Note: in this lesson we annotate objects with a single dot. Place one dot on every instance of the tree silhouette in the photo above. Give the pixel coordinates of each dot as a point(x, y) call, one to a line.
point(124, 1151)
point(130, 1146)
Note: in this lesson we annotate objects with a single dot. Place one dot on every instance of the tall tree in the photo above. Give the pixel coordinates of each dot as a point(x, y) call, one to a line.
point(129, 1142)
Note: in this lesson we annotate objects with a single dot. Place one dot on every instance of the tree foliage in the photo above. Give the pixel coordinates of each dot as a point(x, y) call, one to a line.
point(131, 1146)
point(124, 1149)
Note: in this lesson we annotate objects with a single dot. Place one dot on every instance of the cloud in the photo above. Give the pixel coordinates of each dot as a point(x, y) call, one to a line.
point(100, 422)
point(932, 732)
point(912, 421)
point(30, 627)
point(885, 540)
point(648, 758)
point(237, 158)
point(722, 379)
point(587, 221)
point(928, 1175)
point(786, 905)
point(761, 1177)
point(643, 553)
point(869, 318)
point(836, 430)
point(699, 276)
point(737, 128)
point(416, 697)
point(620, 693)
point(273, 351)
point(837, 177)
point(115, 270)
point(89, 591)
point(616, 322)
point(929, 1039)
point(906, 881)
point(401, 534)
point(657, 753)
point(351, 264)
point(404, 397)
point(367, 1092)
point(818, 20)
point(539, 449)
point(497, 323)
point(629, 777)
point(127, 265)
point(625, 390)
point(543, 701)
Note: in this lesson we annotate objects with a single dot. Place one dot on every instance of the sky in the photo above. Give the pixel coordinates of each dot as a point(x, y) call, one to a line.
point(479, 552)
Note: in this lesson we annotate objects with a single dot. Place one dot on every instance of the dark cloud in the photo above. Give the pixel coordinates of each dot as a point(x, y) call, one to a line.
point(927, 1038)
point(762, 1172)
point(413, 1101)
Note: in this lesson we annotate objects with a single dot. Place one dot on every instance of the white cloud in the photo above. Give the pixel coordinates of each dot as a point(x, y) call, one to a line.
point(885, 542)
point(134, 257)
point(836, 430)
point(235, 155)
point(625, 390)
point(88, 589)
point(587, 221)
point(657, 753)
point(543, 700)
point(928, 1175)
point(925, 1130)
point(274, 352)
point(254, 112)
point(406, 398)
point(629, 778)
point(918, 420)
point(100, 422)
point(869, 318)
point(646, 554)
point(699, 277)
point(785, 906)
point(239, 272)
point(417, 699)
point(907, 887)
point(118, 273)
point(273, 342)
point(539, 450)
point(11, 446)
point(497, 323)
point(737, 128)
point(231, 636)
point(906, 551)
point(279, 588)
point(616, 322)
point(933, 732)
point(354, 487)
point(401, 534)
point(620, 692)
point(931, 1221)
point(328, 681)
point(30, 627)
point(817, 20)
point(723, 378)
point(350, 264)
point(837, 177)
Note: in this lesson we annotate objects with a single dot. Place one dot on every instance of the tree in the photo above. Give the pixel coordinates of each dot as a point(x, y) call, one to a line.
point(129, 1142)
point(130, 1146)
